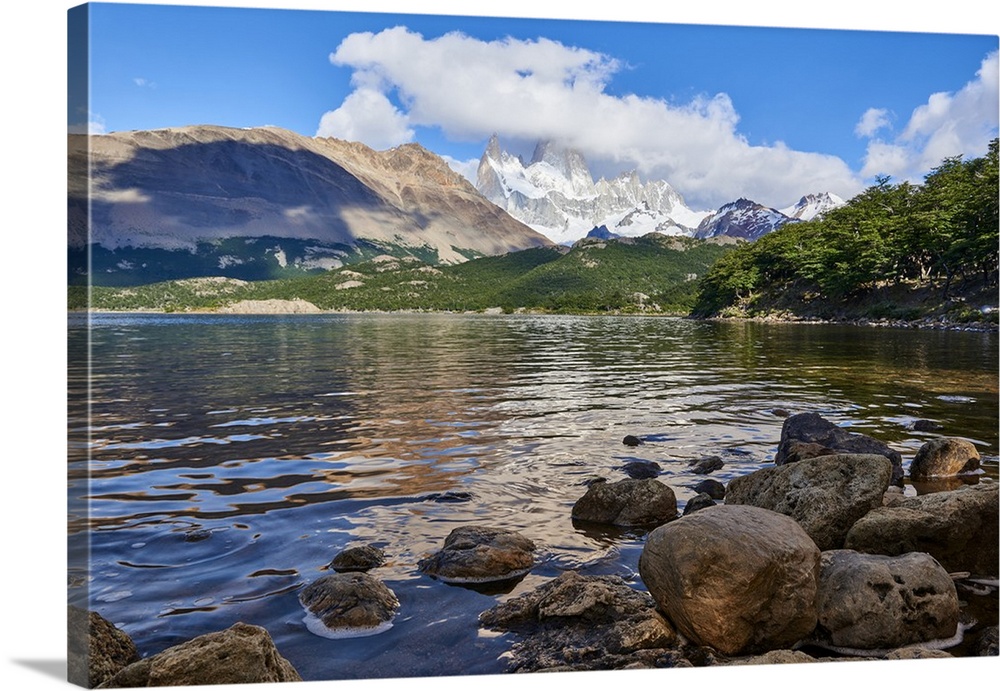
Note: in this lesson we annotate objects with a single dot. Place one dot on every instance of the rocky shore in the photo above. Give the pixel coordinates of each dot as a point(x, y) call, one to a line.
point(820, 557)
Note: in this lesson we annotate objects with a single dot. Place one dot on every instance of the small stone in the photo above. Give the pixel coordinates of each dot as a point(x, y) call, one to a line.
point(926, 426)
point(362, 558)
point(701, 501)
point(641, 470)
point(713, 488)
point(706, 465)
point(631, 440)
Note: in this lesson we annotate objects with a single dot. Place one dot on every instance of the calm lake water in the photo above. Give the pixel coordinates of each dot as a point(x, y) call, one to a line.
point(232, 457)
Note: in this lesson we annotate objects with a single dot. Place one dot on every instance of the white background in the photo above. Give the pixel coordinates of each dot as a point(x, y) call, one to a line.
point(33, 485)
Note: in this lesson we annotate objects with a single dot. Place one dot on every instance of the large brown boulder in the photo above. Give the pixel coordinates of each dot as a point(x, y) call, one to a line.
point(944, 457)
point(825, 495)
point(958, 528)
point(627, 503)
point(812, 432)
point(478, 554)
point(97, 648)
point(870, 601)
point(739, 579)
point(350, 604)
point(242, 654)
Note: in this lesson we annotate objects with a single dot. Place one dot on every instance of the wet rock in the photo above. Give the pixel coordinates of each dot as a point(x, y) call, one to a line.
point(945, 457)
point(926, 426)
point(739, 579)
point(871, 601)
point(363, 558)
point(474, 554)
point(706, 465)
point(713, 488)
point(627, 503)
point(825, 495)
point(348, 605)
point(642, 470)
point(450, 497)
point(958, 528)
point(631, 440)
point(698, 502)
point(988, 643)
point(242, 654)
point(97, 648)
point(584, 622)
point(814, 429)
point(780, 412)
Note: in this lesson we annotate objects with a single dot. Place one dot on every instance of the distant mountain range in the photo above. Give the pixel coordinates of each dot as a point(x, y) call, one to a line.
point(555, 193)
point(266, 203)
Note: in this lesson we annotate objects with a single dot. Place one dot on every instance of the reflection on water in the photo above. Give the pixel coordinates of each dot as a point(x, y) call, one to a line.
point(232, 457)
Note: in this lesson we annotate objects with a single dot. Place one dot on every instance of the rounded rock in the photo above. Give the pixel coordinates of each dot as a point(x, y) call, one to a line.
point(363, 558)
point(945, 457)
point(739, 579)
point(346, 605)
point(475, 554)
point(627, 503)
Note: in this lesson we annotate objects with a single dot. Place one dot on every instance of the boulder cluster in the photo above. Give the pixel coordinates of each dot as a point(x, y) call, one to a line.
point(820, 555)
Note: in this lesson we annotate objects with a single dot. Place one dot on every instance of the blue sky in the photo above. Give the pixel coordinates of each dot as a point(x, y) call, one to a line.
point(718, 111)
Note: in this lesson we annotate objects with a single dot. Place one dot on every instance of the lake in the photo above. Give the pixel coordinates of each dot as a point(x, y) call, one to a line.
point(232, 457)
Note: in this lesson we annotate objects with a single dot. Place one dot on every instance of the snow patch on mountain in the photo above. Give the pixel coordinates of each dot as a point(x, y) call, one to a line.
point(812, 206)
point(556, 195)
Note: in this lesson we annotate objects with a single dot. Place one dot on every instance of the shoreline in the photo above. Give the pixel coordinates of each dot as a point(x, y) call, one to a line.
point(929, 323)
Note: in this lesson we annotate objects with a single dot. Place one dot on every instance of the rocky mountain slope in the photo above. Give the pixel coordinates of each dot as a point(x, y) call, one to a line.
point(255, 203)
point(555, 193)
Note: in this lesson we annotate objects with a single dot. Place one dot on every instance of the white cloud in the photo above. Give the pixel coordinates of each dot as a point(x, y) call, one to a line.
point(94, 124)
point(466, 169)
point(528, 90)
point(949, 124)
point(872, 121)
point(142, 82)
point(368, 116)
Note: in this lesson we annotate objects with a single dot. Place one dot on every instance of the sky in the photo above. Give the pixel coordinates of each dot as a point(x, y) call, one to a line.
point(719, 112)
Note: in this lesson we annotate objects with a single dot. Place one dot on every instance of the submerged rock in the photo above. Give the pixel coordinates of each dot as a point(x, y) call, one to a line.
point(870, 601)
point(958, 528)
point(242, 654)
point(363, 558)
point(739, 579)
point(348, 605)
point(473, 554)
point(642, 470)
point(811, 428)
point(945, 457)
point(825, 495)
point(584, 622)
point(97, 648)
point(627, 503)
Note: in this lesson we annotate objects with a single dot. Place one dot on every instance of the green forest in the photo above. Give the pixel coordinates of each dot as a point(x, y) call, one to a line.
point(652, 274)
point(897, 250)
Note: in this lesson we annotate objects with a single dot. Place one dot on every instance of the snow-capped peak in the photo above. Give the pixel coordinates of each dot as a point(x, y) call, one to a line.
point(813, 205)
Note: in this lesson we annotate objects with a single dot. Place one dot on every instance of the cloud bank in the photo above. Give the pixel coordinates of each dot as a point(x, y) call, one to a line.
point(526, 90)
point(949, 124)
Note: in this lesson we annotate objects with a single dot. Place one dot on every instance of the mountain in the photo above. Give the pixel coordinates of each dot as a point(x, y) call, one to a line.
point(812, 206)
point(742, 218)
point(555, 193)
point(265, 202)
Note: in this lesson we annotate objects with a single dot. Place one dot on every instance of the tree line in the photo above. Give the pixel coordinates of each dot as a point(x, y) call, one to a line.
point(941, 234)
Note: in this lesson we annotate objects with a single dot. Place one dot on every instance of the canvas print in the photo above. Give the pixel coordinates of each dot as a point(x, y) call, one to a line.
point(411, 345)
